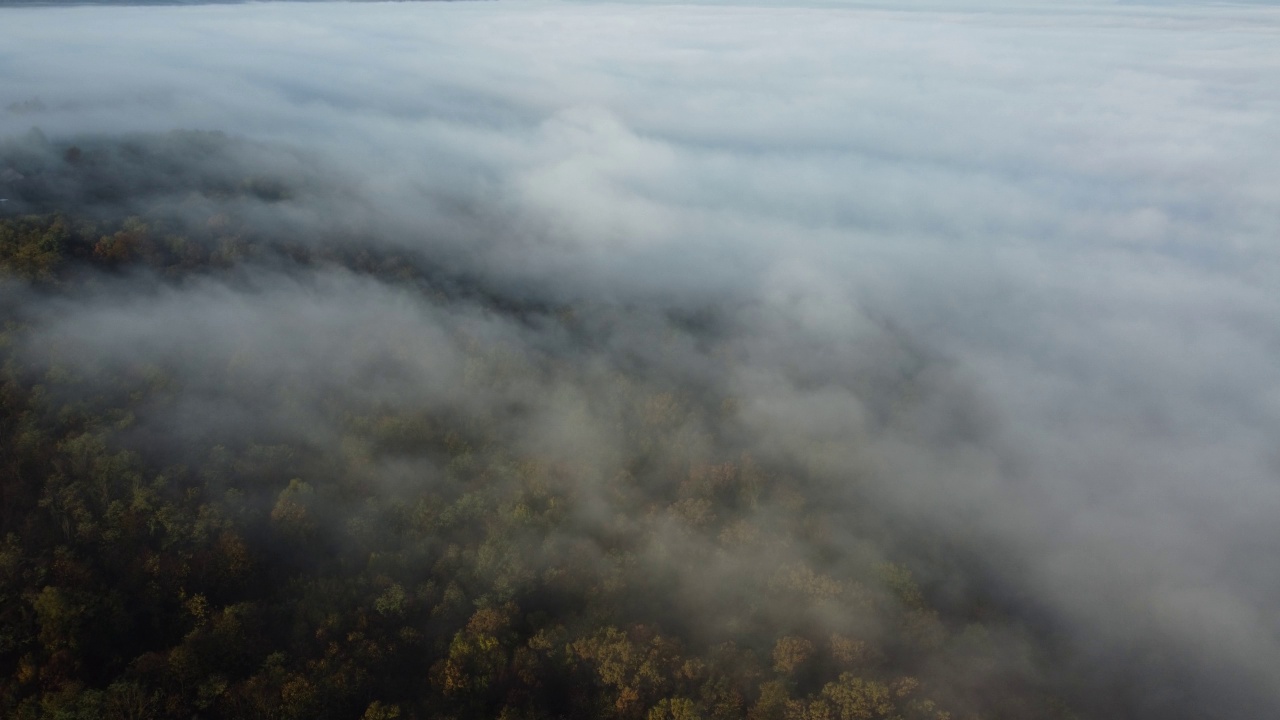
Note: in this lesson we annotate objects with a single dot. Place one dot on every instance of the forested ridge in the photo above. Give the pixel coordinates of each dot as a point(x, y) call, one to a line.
point(199, 518)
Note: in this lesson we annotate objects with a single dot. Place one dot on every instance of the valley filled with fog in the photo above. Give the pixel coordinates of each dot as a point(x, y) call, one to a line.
point(577, 359)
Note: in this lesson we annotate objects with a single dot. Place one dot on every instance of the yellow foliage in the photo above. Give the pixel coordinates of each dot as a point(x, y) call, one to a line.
point(674, 709)
point(791, 652)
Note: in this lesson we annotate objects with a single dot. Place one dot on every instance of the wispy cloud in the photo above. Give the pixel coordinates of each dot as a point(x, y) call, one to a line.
point(1073, 209)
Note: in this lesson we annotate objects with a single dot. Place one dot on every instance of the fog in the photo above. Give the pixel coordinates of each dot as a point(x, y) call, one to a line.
point(1054, 228)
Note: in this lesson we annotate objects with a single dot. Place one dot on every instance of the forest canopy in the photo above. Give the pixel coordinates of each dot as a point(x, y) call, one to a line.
point(257, 474)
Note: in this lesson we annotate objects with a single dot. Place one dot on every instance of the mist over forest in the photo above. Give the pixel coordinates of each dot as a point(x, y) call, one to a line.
point(637, 360)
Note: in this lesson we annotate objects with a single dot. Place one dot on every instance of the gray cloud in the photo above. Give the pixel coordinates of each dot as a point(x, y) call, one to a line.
point(1070, 212)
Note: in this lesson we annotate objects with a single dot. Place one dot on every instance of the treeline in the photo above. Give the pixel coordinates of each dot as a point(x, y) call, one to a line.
point(419, 561)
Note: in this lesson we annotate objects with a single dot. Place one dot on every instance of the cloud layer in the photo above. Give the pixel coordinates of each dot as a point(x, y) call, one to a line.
point(1070, 211)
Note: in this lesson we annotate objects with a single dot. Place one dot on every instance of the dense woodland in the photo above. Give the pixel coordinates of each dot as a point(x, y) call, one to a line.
point(337, 553)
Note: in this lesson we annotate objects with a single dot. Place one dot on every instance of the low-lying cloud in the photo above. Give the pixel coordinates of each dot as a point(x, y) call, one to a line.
point(1054, 229)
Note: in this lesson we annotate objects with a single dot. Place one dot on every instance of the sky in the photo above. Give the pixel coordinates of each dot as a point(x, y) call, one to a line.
point(1071, 208)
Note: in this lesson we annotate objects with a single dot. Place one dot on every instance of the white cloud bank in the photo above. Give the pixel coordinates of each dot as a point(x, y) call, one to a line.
point(1078, 206)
